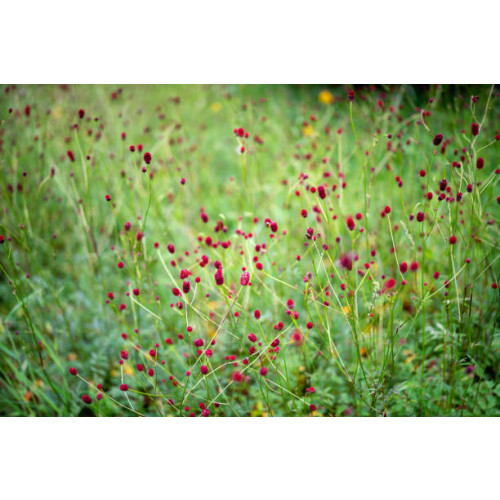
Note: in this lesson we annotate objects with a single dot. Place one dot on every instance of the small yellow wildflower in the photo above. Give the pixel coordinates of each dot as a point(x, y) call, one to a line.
point(326, 97)
point(307, 131)
point(216, 107)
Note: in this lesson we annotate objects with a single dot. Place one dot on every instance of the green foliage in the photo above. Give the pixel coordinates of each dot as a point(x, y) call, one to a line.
point(427, 346)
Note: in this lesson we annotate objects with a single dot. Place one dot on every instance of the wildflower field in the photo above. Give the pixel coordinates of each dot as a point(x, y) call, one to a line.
point(249, 250)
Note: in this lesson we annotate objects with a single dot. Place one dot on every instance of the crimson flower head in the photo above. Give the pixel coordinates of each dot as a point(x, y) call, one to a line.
point(70, 154)
point(345, 261)
point(390, 283)
point(350, 223)
point(81, 113)
point(438, 139)
point(73, 371)
point(351, 95)
point(147, 158)
point(219, 279)
point(474, 128)
point(245, 278)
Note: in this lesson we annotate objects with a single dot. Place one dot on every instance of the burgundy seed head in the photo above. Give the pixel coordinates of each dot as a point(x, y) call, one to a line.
point(245, 278)
point(438, 139)
point(219, 279)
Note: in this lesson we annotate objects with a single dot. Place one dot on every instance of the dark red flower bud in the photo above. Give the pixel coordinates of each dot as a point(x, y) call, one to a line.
point(438, 138)
point(219, 279)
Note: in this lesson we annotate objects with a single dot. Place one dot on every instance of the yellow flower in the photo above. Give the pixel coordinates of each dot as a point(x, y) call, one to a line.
point(326, 97)
point(216, 107)
point(307, 131)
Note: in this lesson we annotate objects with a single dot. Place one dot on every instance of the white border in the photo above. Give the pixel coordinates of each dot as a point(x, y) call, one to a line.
point(281, 458)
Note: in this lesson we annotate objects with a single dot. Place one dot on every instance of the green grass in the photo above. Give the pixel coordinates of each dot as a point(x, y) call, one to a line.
point(423, 348)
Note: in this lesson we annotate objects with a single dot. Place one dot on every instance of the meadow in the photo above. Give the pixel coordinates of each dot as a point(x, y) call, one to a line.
point(249, 250)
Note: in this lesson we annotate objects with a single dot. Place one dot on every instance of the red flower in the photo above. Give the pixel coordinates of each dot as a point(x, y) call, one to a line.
point(390, 283)
point(438, 139)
